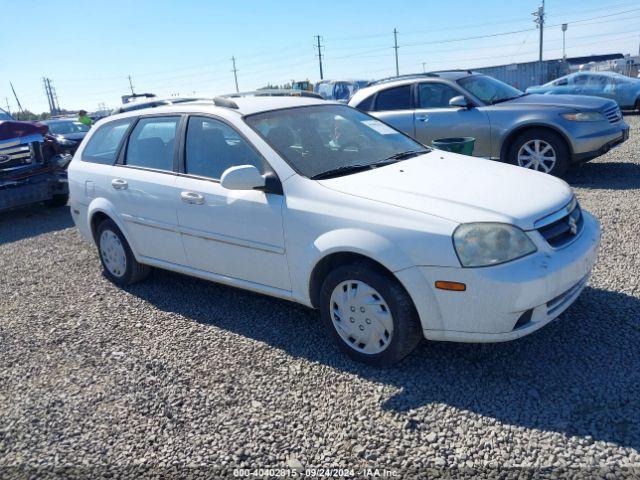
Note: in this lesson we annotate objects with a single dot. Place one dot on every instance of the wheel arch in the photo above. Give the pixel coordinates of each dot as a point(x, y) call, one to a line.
point(101, 209)
point(515, 132)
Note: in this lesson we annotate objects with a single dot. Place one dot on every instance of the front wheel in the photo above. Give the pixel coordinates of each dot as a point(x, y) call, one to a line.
point(541, 150)
point(369, 314)
point(118, 261)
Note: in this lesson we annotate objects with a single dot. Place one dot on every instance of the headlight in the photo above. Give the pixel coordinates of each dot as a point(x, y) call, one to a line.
point(584, 116)
point(64, 142)
point(483, 244)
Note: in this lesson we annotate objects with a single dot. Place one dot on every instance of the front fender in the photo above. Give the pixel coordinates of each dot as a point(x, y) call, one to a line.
point(346, 240)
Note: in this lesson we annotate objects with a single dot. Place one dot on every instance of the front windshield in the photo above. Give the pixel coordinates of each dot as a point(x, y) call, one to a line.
point(319, 139)
point(63, 128)
point(4, 116)
point(489, 89)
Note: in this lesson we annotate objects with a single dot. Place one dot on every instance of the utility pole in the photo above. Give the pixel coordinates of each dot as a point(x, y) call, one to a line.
point(235, 73)
point(130, 84)
point(319, 56)
point(564, 31)
point(424, 68)
point(47, 91)
point(395, 47)
point(8, 107)
point(539, 21)
point(54, 98)
point(16, 97)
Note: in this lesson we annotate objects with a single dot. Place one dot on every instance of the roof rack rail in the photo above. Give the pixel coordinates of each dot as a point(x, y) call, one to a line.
point(274, 92)
point(224, 102)
point(403, 77)
point(454, 70)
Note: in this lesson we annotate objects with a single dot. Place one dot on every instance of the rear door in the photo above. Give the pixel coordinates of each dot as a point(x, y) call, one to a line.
point(395, 106)
point(435, 119)
point(142, 187)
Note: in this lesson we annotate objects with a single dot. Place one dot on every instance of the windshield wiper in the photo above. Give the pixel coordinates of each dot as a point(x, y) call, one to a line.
point(500, 100)
point(342, 170)
point(349, 169)
point(403, 155)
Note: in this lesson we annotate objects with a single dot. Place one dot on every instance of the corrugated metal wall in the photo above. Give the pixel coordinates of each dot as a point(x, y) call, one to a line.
point(523, 75)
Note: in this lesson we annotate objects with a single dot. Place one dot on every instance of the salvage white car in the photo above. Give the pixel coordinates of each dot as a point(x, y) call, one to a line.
point(327, 206)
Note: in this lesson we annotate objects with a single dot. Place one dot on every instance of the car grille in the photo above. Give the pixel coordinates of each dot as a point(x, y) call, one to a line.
point(565, 229)
point(15, 157)
point(613, 114)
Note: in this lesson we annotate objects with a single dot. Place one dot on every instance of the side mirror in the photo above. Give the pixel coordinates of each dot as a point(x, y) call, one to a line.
point(242, 177)
point(459, 101)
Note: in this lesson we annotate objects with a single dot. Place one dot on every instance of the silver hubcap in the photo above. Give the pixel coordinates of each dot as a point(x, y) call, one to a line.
point(112, 252)
point(537, 155)
point(361, 317)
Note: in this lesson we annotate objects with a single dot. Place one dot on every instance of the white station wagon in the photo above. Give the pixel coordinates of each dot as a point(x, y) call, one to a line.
point(322, 204)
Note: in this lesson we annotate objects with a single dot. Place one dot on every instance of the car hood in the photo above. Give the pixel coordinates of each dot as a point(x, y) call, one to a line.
point(77, 136)
point(460, 188)
point(575, 102)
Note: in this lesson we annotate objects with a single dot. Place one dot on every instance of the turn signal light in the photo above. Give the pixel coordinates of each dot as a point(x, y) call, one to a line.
point(453, 286)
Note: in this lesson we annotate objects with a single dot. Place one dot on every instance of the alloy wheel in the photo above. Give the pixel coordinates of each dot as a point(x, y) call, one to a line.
point(537, 155)
point(361, 317)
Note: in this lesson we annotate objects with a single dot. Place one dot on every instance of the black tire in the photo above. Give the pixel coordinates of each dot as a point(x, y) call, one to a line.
point(134, 271)
point(559, 145)
point(407, 331)
point(58, 200)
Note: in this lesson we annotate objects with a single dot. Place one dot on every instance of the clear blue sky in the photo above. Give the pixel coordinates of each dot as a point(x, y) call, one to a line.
point(87, 48)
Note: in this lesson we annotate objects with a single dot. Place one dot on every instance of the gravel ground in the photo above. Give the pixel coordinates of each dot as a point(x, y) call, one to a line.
point(179, 377)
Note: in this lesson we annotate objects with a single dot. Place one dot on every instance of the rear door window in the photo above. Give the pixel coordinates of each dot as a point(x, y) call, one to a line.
point(397, 98)
point(151, 143)
point(104, 143)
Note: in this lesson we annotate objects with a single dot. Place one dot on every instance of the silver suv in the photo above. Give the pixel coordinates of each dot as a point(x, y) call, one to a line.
point(541, 132)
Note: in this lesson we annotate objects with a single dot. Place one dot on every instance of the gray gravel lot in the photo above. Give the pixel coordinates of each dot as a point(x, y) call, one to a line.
point(178, 377)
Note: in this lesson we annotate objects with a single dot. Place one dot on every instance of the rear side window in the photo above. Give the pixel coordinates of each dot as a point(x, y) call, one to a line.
point(366, 105)
point(151, 143)
point(213, 146)
point(398, 98)
point(103, 144)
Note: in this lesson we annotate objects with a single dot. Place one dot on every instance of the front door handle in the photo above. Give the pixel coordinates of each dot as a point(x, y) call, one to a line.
point(422, 118)
point(192, 198)
point(119, 184)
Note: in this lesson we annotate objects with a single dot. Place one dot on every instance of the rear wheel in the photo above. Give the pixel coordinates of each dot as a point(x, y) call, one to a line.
point(369, 314)
point(118, 262)
point(541, 150)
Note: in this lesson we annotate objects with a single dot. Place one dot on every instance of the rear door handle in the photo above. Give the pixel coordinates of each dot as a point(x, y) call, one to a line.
point(192, 198)
point(422, 118)
point(119, 184)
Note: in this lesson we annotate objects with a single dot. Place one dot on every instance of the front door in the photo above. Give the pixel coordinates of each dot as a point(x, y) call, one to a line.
point(234, 233)
point(435, 119)
point(142, 188)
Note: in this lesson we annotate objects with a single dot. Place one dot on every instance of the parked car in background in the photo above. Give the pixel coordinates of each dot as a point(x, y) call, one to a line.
point(624, 90)
point(64, 136)
point(319, 203)
point(540, 132)
point(339, 90)
point(26, 176)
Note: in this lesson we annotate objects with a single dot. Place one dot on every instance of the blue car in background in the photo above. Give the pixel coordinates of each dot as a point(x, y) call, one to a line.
point(624, 90)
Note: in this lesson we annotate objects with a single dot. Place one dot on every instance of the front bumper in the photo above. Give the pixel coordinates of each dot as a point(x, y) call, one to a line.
point(592, 146)
point(534, 289)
